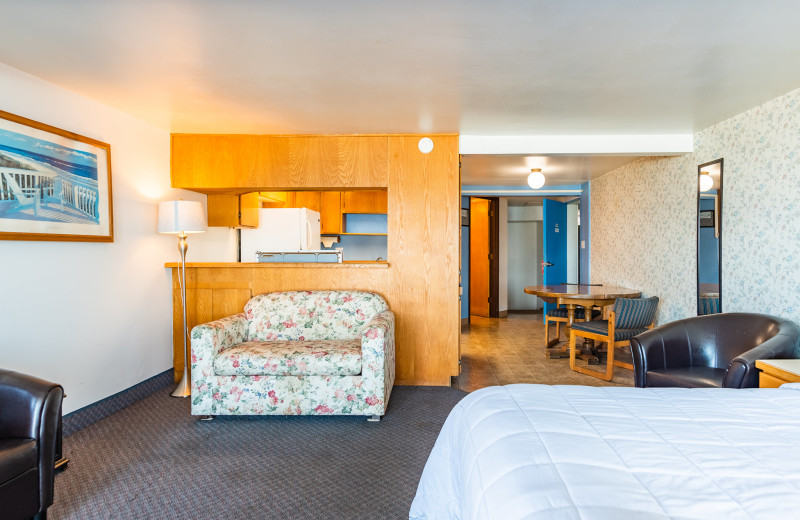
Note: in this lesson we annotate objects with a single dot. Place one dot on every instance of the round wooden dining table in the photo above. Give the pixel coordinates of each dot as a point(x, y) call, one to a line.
point(573, 295)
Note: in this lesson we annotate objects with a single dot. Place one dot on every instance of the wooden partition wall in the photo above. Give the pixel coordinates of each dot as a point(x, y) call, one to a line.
point(420, 282)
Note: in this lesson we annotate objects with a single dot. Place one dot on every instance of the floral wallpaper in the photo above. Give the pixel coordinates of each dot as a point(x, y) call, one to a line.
point(643, 217)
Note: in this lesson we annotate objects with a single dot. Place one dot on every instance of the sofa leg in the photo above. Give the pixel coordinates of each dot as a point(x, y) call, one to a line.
point(206, 417)
point(374, 418)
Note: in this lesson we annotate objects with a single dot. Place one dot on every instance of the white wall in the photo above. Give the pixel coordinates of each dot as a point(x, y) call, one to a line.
point(644, 217)
point(96, 317)
point(503, 255)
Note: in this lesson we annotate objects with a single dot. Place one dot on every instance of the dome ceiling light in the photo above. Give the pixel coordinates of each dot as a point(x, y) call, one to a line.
point(706, 182)
point(536, 178)
point(425, 145)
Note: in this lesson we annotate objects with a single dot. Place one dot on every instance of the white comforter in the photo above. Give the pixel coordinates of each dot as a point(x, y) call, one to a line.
point(568, 452)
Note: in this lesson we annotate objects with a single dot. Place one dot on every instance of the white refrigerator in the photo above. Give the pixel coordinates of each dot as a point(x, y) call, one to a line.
point(282, 230)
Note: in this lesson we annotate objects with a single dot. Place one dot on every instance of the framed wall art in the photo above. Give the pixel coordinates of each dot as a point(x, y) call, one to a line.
point(54, 184)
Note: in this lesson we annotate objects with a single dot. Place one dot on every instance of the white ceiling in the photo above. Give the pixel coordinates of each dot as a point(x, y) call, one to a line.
point(514, 67)
point(558, 170)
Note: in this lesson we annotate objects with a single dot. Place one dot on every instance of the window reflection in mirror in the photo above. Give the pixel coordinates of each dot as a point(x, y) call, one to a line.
point(709, 238)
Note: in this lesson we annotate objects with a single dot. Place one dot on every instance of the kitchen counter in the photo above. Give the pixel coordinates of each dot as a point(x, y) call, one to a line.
point(280, 265)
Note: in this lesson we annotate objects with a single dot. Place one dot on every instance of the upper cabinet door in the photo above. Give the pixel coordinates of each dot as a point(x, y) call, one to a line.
point(235, 211)
point(214, 161)
point(330, 212)
point(279, 162)
point(367, 201)
point(307, 199)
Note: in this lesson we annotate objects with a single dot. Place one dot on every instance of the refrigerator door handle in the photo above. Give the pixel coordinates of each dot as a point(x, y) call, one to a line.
point(308, 234)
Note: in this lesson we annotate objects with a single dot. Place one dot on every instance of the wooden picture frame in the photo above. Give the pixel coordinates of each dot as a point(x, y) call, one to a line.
point(54, 184)
point(706, 218)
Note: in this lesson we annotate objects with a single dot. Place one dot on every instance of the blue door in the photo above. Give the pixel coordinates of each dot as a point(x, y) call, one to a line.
point(555, 245)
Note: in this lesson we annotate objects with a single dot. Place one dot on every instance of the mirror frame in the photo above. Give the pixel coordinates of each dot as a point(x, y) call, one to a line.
point(718, 216)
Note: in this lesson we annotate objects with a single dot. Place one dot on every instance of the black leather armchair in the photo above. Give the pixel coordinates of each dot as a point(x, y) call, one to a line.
point(718, 350)
point(30, 413)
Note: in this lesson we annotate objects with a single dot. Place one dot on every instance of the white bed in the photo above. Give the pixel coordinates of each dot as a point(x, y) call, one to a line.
point(574, 452)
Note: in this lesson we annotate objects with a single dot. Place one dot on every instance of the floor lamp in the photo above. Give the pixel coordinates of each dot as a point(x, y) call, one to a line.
point(182, 217)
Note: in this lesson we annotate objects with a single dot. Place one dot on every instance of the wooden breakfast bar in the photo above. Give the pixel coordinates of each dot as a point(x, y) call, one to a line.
point(215, 290)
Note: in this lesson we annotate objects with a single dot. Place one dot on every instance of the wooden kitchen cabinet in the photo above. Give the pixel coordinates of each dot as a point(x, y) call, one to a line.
point(236, 211)
point(256, 162)
point(274, 199)
point(330, 212)
point(366, 201)
point(307, 199)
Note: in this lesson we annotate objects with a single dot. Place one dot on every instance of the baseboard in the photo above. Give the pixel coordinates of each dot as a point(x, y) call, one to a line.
point(526, 311)
point(503, 314)
point(88, 415)
point(464, 322)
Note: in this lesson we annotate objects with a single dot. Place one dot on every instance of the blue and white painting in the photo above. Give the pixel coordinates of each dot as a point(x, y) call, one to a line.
point(51, 184)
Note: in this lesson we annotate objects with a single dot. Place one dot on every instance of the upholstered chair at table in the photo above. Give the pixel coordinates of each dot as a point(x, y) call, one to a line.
point(558, 316)
point(717, 350)
point(30, 413)
point(709, 305)
point(631, 316)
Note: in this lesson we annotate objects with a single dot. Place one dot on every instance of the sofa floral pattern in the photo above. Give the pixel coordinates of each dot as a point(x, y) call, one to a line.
point(310, 318)
point(290, 358)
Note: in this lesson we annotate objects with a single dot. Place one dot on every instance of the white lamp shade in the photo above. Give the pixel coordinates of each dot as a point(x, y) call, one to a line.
point(706, 182)
point(536, 180)
point(181, 216)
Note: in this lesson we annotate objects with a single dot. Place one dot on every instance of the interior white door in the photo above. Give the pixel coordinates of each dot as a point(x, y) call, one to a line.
point(524, 261)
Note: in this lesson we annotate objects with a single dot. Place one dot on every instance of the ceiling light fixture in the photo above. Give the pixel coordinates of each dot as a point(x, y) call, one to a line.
point(536, 178)
point(425, 145)
point(706, 182)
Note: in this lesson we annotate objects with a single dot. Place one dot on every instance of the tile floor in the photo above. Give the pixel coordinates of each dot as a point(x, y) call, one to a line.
point(503, 351)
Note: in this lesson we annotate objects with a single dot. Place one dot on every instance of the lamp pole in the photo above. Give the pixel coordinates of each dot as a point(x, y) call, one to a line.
point(182, 217)
point(184, 388)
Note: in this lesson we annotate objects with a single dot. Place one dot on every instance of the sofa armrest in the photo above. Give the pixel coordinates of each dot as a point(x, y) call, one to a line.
point(649, 352)
point(209, 339)
point(742, 372)
point(34, 412)
point(377, 355)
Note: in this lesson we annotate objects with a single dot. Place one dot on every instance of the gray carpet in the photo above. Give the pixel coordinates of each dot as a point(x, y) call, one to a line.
point(154, 460)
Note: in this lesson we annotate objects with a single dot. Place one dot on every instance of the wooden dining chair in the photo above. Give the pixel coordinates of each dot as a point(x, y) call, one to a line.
point(558, 316)
point(631, 316)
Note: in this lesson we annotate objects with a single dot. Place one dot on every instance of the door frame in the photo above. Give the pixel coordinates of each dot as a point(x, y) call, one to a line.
point(494, 250)
point(494, 260)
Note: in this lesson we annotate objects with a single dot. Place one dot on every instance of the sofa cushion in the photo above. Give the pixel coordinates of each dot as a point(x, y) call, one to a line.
point(687, 377)
point(290, 358)
point(311, 315)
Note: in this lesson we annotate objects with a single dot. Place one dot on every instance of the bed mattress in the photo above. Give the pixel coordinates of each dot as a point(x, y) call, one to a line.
point(575, 452)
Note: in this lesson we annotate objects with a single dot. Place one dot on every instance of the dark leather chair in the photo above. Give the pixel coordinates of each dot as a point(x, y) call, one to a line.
point(718, 350)
point(30, 414)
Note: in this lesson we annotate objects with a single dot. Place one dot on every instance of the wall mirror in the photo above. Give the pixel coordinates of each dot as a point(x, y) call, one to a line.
point(709, 238)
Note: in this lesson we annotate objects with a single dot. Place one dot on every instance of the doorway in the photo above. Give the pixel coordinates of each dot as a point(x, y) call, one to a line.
point(524, 257)
point(483, 257)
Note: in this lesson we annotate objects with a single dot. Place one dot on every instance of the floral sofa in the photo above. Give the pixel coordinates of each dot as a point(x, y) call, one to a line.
point(292, 353)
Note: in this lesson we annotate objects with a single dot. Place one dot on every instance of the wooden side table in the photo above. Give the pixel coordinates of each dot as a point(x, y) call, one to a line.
point(775, 372)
